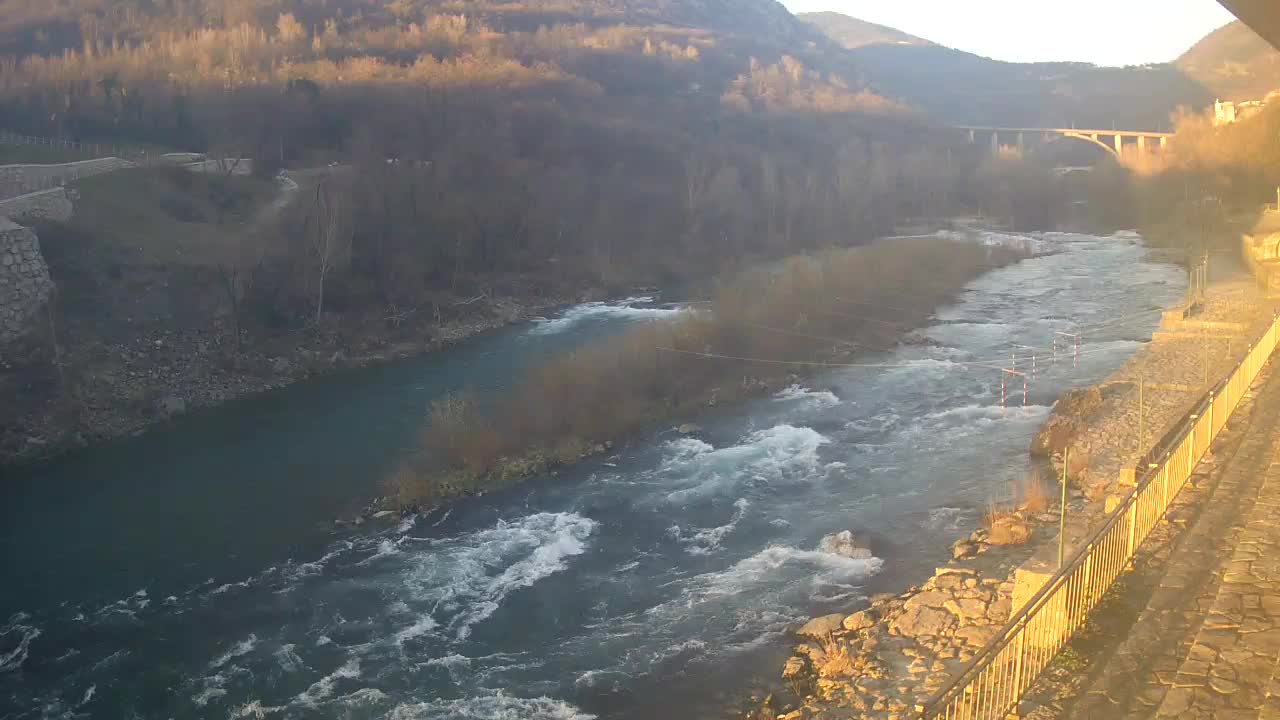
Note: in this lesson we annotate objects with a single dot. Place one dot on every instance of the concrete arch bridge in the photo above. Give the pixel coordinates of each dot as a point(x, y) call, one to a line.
point(1114, 142)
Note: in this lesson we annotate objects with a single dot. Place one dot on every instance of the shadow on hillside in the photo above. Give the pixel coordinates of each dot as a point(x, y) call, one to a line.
point(966, 88)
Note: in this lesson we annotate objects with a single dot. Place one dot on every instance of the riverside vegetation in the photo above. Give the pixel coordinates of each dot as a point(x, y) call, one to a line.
point(762, 327)
point(490, 159)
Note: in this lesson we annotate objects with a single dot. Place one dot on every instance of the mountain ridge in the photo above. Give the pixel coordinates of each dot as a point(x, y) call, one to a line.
point(852, 33)
point(1234, 63)
point(955, 86)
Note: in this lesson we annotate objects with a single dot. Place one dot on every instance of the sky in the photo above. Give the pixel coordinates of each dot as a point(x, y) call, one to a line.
point(1104, 32)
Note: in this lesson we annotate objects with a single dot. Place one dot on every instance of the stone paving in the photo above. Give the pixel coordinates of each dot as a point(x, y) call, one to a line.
point(1228, 671)
point(1206, 644)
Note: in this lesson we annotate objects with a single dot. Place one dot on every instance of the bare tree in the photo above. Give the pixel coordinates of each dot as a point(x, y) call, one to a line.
point(331, 236)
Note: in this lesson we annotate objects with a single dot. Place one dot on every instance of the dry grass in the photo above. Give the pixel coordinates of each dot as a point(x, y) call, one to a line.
point(839, 661)
point(814, 310)
point(1006, 526)
point(1035, 499)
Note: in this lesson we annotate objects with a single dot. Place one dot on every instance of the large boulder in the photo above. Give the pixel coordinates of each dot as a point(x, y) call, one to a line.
point(822, 627)
point(859, 621)
point(1053, 436)
point(924, 621)
point(1080, 403)
point(845, 544)
point(976, 636)
point(1069, 414)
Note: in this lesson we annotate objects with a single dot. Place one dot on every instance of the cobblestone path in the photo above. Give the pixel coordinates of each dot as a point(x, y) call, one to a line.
point(1208, 642)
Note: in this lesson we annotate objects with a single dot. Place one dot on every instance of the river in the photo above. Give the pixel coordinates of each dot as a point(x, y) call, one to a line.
point(195, 571)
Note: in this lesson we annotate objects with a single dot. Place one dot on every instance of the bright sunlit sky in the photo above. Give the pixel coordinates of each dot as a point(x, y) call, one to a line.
point(1105, 32)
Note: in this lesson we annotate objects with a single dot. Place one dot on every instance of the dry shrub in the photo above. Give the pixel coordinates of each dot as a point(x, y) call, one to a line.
point(407, 488)
point(1035, 499)
point(459, 433)
point(1006, 527)
point(839, 661)
point(813, 310)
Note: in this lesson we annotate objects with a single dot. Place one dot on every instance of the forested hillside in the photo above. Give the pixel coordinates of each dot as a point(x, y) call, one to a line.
point(484, 156)
point(651, 136)
point(1234, 63)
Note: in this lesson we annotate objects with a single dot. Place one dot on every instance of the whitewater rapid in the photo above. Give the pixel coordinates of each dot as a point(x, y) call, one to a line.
point(634, 585)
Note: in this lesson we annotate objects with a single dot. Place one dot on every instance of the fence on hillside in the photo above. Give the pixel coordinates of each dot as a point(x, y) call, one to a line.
point(93, 150)
point(992, 684)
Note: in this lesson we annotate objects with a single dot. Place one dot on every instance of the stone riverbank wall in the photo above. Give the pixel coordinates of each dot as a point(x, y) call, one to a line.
point(52, 204)
point(24, 279)
point(18, 180)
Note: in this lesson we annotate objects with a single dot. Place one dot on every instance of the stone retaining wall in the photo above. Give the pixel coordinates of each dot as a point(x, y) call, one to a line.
point(18, 180)
point(24, 279)
point(52, 204)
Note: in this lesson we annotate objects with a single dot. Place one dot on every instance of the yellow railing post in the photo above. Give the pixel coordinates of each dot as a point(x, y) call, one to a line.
point(1211, 432)
point(1133, 531)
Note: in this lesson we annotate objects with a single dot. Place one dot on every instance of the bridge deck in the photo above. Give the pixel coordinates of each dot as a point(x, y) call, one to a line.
point(1068, 131)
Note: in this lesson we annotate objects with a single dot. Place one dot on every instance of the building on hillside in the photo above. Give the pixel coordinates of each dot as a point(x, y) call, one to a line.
point(1225, 113)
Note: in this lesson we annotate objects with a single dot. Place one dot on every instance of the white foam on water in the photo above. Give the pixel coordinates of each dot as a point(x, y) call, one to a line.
point(469, 576)
point(821, 398)
point(256, 710)
point(110, 660)
point(227, 587)
point(948, 518)
point(288, 659)
point(215, 686)
point(386, 548)
point(316, 566)
point(424, 625)
point(451, 662)
point(946, 426)
point(208, 694)
point(490, 707)
point(623, 309)
point(763, 568)
point(364, 697)
point(235, 651)
point(18, 628)
point(707, 541)
point(688, 447)
point(323, 688)
point(760, 628)
point(88, 695)
point(770, 455)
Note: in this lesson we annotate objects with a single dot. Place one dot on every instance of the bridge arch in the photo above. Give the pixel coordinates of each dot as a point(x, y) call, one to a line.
point(1092, 141)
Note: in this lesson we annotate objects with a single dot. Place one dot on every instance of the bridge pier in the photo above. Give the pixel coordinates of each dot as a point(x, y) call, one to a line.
point(972, 138)
point(1119, 144)
point(1164, 143)
point(995, 143)
point(1142, 143)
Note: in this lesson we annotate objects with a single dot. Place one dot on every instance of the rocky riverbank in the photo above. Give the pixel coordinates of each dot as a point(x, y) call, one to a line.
point(123, 387)
point(881, 661)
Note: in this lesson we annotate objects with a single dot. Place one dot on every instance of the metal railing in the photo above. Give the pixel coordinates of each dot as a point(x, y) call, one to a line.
point(992, 684)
